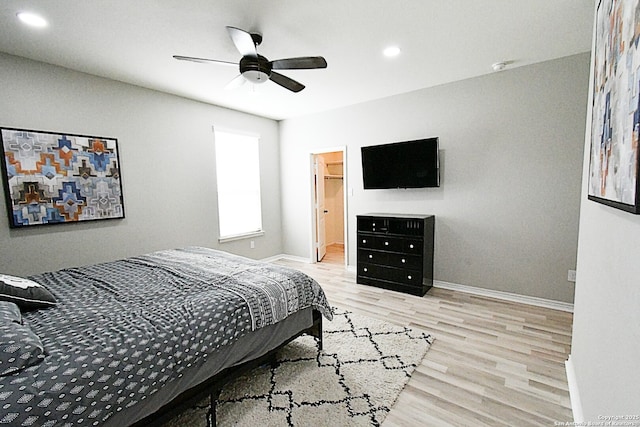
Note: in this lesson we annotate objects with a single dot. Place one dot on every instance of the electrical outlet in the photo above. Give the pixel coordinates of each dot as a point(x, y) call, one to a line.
point(571, 276)
point(253, 244)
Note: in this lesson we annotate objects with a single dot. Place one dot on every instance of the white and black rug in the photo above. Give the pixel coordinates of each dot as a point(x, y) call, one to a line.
point(354, 381)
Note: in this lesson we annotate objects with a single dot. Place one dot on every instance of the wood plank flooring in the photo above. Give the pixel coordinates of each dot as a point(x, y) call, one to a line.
point(493, 363)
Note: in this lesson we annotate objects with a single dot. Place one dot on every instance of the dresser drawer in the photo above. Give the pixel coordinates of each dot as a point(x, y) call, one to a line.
point(391, 244)
point(396, 244)
point(390, 274)
point(366, 241)
point(391, 259)
point(394, 286)
point(407, 261)
point(373, 224)
point(408, 277)
point(373, 256)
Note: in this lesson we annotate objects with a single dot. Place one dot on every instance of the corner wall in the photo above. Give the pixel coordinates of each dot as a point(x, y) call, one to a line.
point(606, 324)
point(511, 157)
point(167, 163)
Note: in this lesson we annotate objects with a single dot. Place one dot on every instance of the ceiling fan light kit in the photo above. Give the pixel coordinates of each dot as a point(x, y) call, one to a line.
point(258, 69)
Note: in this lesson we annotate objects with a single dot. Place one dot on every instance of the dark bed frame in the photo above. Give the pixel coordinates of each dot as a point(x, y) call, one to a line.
point(214, 385)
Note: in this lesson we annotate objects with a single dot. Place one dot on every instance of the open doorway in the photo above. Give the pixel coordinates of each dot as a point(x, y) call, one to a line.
point(329, 206)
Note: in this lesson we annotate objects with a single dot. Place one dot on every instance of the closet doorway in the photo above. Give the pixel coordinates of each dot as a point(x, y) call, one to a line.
point(329, 206)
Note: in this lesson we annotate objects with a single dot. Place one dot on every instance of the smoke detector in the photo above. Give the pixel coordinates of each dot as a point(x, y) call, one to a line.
point(499, 66)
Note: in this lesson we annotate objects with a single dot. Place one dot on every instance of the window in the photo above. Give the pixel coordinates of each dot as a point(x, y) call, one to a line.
point(238, 174)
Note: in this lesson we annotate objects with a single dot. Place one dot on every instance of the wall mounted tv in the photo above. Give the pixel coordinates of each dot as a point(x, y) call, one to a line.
point(407, 164)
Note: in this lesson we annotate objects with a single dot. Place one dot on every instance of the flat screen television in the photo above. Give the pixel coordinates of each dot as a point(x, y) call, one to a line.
point(407, 164)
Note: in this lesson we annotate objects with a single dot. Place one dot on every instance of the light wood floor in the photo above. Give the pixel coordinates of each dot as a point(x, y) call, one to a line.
point(493, 363)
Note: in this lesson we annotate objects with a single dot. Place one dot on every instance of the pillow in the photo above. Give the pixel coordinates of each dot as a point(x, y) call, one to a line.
point(26, 293)
point(19, 346)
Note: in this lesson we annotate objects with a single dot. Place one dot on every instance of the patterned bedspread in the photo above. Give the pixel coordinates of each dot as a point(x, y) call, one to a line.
point(125, 329)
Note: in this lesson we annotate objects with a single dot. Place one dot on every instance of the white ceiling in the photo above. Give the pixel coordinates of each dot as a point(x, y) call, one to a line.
point(441, 40)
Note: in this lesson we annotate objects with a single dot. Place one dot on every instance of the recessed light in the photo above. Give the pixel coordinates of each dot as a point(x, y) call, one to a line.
point(32, 19)
point(391, 51)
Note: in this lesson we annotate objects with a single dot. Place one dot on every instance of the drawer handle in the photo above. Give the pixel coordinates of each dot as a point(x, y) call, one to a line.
point(364, 240)
point(365, 269)
point(409, 277)
point(404, 260)
point(386, 243)
point(411, 246)
point(370, 256)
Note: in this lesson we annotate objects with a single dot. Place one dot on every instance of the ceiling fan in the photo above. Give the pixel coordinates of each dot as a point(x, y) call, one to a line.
point(258, 69)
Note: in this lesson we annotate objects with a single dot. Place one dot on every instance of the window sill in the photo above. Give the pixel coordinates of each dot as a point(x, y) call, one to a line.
point(240, 236)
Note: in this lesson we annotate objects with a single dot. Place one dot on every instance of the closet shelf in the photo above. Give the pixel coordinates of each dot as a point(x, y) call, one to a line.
point(333, 177)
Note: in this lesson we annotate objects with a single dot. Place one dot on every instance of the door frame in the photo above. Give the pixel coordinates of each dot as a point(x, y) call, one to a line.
point(320, 203)
point(312, 225)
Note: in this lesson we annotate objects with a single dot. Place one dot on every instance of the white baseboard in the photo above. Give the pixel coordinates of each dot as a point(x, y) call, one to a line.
point(289, 257)
point(576, 403)
point(507, 296)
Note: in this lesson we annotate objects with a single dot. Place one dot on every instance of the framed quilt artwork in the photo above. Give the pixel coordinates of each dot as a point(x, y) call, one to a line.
point(615, 128)
point(57, 178)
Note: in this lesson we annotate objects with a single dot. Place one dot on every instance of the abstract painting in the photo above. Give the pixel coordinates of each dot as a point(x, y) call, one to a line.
point(57, 178)
point(613, 171)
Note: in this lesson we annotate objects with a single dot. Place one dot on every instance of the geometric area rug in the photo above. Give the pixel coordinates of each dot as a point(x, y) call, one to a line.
point(353, 381)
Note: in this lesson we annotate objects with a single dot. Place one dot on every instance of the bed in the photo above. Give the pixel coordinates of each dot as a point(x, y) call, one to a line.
point(124, 342)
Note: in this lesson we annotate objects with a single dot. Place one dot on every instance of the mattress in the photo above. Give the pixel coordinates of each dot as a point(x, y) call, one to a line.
point(128, 336)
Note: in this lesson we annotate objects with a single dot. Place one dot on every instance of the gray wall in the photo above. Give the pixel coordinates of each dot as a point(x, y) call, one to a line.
point(167, 157)
point(511, 145)
point(606, 324)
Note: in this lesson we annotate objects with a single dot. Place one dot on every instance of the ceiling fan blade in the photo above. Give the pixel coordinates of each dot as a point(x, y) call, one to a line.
point(301, 63)
point(203, 60)
point(243, 41)
point(286, 82)
point(237, 81)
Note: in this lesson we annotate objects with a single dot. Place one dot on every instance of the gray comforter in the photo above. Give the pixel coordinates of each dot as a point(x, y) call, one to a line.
point(123, 330)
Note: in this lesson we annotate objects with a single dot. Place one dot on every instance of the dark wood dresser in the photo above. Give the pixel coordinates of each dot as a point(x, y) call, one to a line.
point(395, 252)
